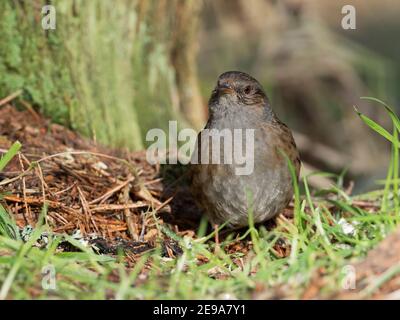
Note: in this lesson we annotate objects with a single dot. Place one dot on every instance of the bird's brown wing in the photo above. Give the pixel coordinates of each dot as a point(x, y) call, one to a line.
point(282, 138)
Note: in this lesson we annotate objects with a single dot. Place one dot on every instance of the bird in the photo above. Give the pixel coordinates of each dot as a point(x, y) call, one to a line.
point(239, 102)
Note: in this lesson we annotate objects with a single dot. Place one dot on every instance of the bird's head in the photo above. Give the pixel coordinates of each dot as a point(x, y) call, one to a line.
point(240, 89)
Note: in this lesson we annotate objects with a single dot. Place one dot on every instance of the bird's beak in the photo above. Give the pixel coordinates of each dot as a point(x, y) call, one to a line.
point(225, 88)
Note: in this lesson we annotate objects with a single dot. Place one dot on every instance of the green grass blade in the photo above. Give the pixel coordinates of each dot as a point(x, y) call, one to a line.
point(9, 155)
point(395, 163)
point(374, 126)
point(5, 288)
point(8, 228)
point(390, 111)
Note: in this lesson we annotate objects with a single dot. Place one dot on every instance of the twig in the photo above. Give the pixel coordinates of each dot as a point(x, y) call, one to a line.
point(39, 202)
point(108, 221)
point(29, 107)
point(59, 217)
point(109, 193)
point(66, 189)
point(86, 209)
point(8, 181)
point(148, 183)
point(27, 213)
point(129, 218)
point(360, 203)
point(42, 182)
point(145, 194)
point(10, 97)
point(79, 153)
point(163, 204)
point(141, 237)
point(349, 189)
point(39, 173)
point(153, 213)
point(116, 207)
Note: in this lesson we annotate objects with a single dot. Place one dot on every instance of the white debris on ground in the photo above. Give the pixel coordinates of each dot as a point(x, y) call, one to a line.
point(347, 228)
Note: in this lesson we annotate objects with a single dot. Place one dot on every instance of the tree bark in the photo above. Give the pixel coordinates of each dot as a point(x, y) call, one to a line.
point(106, 70)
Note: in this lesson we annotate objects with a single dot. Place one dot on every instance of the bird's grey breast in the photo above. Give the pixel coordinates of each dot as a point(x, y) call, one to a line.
point(262, 183)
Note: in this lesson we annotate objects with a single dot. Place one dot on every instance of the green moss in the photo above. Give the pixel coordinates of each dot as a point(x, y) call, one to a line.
point(98, 72)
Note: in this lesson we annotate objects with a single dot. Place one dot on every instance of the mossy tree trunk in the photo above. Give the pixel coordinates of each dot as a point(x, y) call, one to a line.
point(184, 52)
point(109, 69)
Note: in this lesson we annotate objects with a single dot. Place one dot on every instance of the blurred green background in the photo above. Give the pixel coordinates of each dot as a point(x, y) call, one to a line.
point(115, 69)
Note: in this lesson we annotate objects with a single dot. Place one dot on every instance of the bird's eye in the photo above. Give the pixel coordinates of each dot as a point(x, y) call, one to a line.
point(247, 90)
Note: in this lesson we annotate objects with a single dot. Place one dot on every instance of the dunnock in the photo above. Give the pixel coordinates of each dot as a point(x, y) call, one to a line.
point(239, 102)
